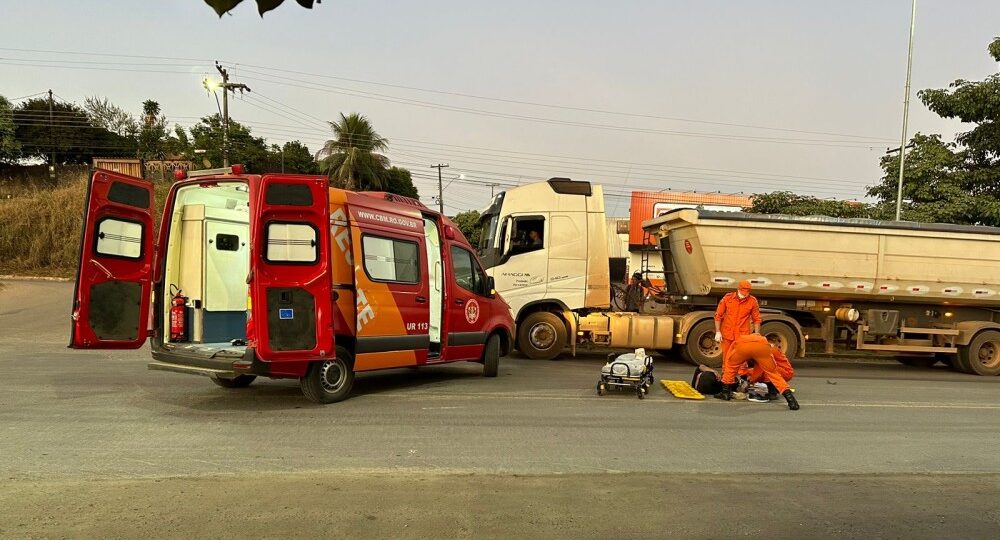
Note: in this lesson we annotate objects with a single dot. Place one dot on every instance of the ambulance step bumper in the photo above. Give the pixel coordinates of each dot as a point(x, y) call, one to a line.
point(192, 370)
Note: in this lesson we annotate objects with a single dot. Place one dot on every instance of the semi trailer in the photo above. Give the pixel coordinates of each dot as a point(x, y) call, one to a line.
point(925, 292)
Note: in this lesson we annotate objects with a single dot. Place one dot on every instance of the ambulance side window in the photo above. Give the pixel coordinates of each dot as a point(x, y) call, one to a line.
point(468, 275)
point(391, 259)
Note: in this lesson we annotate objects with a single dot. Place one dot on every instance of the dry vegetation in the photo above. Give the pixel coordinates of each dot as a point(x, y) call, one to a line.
point(40, 226)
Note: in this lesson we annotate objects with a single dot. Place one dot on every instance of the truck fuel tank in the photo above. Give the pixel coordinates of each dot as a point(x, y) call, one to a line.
point(629, 330)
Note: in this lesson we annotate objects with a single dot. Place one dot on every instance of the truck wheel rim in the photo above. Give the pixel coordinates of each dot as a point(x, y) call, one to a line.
point(989, 354)
point(542, 336)
point(709, 347)
point(777, 337)
point(331, 376)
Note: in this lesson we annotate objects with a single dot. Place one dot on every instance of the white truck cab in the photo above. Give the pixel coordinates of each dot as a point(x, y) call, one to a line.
point(549, 263)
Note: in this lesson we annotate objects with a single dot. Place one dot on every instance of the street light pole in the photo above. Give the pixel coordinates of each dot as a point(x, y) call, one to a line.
point(440, 166)
point(906, 114)
point(226, 88)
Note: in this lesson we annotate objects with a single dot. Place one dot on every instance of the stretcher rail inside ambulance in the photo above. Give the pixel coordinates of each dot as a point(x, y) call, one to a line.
point(925, 292)
point(281, 276)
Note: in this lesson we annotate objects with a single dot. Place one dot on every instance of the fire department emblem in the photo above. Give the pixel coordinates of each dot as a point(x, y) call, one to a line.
point(471, 311)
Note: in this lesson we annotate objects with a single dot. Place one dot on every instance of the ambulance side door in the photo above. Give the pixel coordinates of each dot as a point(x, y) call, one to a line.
point(113, 282)
point(465, 305)
point(392, 283)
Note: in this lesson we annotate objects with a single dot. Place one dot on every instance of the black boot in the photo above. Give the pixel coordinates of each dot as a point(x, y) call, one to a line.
point(727, 392)
point(772, 392)
point(793, 404)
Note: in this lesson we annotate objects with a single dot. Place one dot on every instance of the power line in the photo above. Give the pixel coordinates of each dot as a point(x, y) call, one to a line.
point(435, 91)
point(319, 87)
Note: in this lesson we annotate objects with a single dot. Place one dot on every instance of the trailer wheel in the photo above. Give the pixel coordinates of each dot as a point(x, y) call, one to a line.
point(239, 381)
point(701, 347)
point(783, 336)
point(329, 381)
point(982, 356)
point(491, 356)
point(541, 336)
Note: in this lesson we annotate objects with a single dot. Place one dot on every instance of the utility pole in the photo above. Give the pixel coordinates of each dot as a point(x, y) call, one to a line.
point(906, 114)
point(226, 88)
point(440, 166)
point(52, 143)
point(491, 190)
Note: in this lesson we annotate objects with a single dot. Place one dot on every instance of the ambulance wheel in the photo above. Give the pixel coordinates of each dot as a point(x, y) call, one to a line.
point(541, 336)
point(491, 356)
point(982, 355)
point(701, 347)
point(329, 381)
point(239, 381)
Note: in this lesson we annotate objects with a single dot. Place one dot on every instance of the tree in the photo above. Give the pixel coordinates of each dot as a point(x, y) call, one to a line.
point(69, 134)
point(400, 182)
point(352, 159)
point(178, 144)
point(222, 7)
point(952, 182)
point(153, 133)
point(468, 223)
point(292, 157)
point(111, 117)
point(244, 148)
point(786, 202)
point(10, 149)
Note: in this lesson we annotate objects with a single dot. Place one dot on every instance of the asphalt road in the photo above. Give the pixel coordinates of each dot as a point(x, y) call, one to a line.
point(877, 448)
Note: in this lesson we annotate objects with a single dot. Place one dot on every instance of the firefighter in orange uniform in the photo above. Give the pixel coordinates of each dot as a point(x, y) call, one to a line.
point(733, 316)
point(756, 373)
point(755, 351)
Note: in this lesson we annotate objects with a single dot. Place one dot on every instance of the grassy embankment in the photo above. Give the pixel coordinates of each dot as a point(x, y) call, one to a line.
point(40, 226)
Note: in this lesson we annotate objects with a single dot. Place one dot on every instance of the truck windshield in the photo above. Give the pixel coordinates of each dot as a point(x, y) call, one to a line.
point(488, 225)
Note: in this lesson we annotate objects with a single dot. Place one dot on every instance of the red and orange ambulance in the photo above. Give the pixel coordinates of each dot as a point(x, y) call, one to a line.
point(281, 276)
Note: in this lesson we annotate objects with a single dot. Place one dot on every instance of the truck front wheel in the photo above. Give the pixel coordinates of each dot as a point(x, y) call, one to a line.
point(541, 336)
point(701, 347)
point(329, 381)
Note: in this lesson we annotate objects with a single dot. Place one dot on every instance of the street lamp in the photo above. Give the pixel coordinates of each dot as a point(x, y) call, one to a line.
point(906, 113)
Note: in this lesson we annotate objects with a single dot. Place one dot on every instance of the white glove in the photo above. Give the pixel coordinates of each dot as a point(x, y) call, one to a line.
point(718, 336)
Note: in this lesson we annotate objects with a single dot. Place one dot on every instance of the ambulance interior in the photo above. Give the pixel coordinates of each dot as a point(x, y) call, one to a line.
point(207, 261)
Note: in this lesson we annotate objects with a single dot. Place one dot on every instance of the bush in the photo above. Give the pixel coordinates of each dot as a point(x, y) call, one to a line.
point(40, 229)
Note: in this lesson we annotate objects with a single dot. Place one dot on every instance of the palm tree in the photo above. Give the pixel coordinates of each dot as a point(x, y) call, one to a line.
point(352, 159)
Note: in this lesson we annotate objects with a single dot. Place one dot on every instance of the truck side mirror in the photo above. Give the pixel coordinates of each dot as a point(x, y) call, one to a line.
point(491, 288)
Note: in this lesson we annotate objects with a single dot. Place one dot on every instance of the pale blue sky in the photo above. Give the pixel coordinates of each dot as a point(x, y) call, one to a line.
point(825, 67)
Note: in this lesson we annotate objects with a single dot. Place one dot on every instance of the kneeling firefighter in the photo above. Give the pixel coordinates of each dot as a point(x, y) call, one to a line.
point(755, 349)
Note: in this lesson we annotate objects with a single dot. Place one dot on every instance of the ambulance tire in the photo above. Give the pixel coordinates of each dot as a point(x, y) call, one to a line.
point(329, 381)
point(541, 336)
point(239, 381)
point(491, 356)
